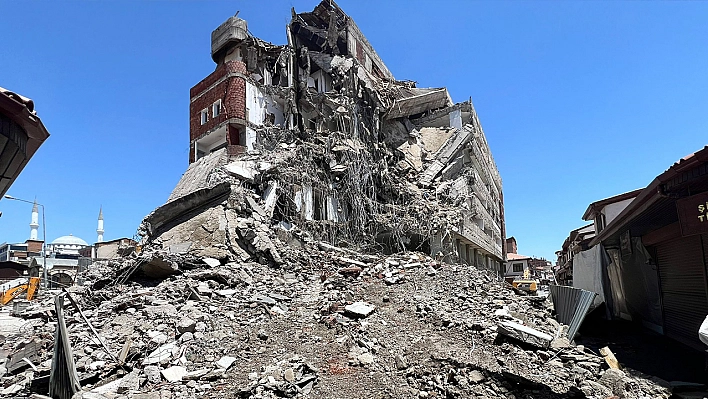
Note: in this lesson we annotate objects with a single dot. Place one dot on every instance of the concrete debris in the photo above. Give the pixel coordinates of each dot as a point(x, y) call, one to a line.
point(359, 309)
point(225, 362)
point(433, 333)
point(211, 262)
point(163, 353)
point(174, 373)
point(525, 334)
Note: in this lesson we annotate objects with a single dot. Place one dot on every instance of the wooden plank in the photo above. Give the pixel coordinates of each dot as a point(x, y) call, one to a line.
point(610, 358)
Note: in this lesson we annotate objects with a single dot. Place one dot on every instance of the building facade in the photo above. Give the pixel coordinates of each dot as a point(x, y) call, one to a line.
point(577, 241)
point(657, 253)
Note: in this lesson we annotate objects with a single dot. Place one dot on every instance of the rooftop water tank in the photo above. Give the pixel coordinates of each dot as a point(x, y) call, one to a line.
point(233, 30)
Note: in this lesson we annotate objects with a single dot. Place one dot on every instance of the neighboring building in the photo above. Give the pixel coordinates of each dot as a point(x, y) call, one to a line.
point(603, 212)
point(63, 259)
point(20, 252)
point(657, 253)
point(576, 242)
point(542, 268)
point(21, 134)
point(10, 270)
point(516, 265)
point(578, 260)
point(119, 247)
point(511, 247)
point(328, 88)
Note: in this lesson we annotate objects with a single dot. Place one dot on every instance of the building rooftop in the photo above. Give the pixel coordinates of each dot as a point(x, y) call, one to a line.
point(511, 256)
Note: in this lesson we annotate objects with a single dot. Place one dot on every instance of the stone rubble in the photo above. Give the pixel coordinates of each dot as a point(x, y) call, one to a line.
point(304, 329)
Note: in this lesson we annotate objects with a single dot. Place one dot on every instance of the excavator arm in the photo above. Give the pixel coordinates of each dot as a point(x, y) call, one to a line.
point(12, 293)
point(32, 289)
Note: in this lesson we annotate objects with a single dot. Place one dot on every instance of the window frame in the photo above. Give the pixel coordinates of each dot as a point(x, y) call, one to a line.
point(214, 111)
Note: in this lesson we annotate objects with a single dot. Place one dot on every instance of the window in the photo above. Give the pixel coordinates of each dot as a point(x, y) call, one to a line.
point(204, 116)
point(518, 267)
point(216, 109)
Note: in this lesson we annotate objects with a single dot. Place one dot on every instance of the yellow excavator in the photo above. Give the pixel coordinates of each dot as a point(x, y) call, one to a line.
point(526, 283)
point(30, 287)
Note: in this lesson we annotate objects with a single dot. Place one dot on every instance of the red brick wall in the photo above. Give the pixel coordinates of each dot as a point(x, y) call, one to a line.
point(34, 246)
point(234, 150)
point(220, 72)
point(232, 93)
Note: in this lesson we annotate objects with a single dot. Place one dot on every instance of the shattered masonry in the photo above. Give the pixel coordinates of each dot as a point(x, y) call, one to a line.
point(318, 134)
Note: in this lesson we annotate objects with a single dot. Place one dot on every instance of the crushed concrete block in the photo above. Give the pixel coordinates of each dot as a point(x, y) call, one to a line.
point(186, 324)
point(152, 373)
point(227, 292)
point(11, 390)
point(211, 262)
point(359, 309)
point(266, 300)
point(289, 375)
point(476, 376)
point(245, 170)
point(174, 373)
point(130, 382)
point(157, 337)
point(401, 363)
point(225, 362)
point(365, 358)
point(203, 289)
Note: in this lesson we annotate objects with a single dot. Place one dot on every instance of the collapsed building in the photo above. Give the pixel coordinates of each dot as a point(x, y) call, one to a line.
point(317, 136)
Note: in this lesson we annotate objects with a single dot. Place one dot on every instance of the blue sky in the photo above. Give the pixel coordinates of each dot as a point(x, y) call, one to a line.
point(579, 100)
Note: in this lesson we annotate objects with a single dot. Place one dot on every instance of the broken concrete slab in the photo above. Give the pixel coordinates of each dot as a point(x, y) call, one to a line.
point(359, 309)
point(225, 362)
point(161, 218)
point(211, 262)
point(524, 333)
point(164, 352)
point(174, 373)
point(158, 267)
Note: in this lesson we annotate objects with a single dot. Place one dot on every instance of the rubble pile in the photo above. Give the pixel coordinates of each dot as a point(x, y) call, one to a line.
point(341, 239)
point(325, 322)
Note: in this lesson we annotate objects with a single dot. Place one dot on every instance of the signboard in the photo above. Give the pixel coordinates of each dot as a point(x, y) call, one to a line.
point(693, 214)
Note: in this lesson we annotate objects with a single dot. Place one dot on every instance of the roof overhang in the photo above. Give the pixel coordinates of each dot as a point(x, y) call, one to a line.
point(655, 196)
point(14, 152)
point(597, 206)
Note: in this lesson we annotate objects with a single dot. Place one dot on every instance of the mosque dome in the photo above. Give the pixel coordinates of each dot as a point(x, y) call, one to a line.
point(70, 240)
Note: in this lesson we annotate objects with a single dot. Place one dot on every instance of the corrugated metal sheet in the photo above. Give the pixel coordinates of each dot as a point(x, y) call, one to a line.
point(683, 288)
point(571, 305)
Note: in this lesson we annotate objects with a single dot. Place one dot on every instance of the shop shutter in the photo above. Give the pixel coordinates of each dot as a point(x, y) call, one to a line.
point(683, 288)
